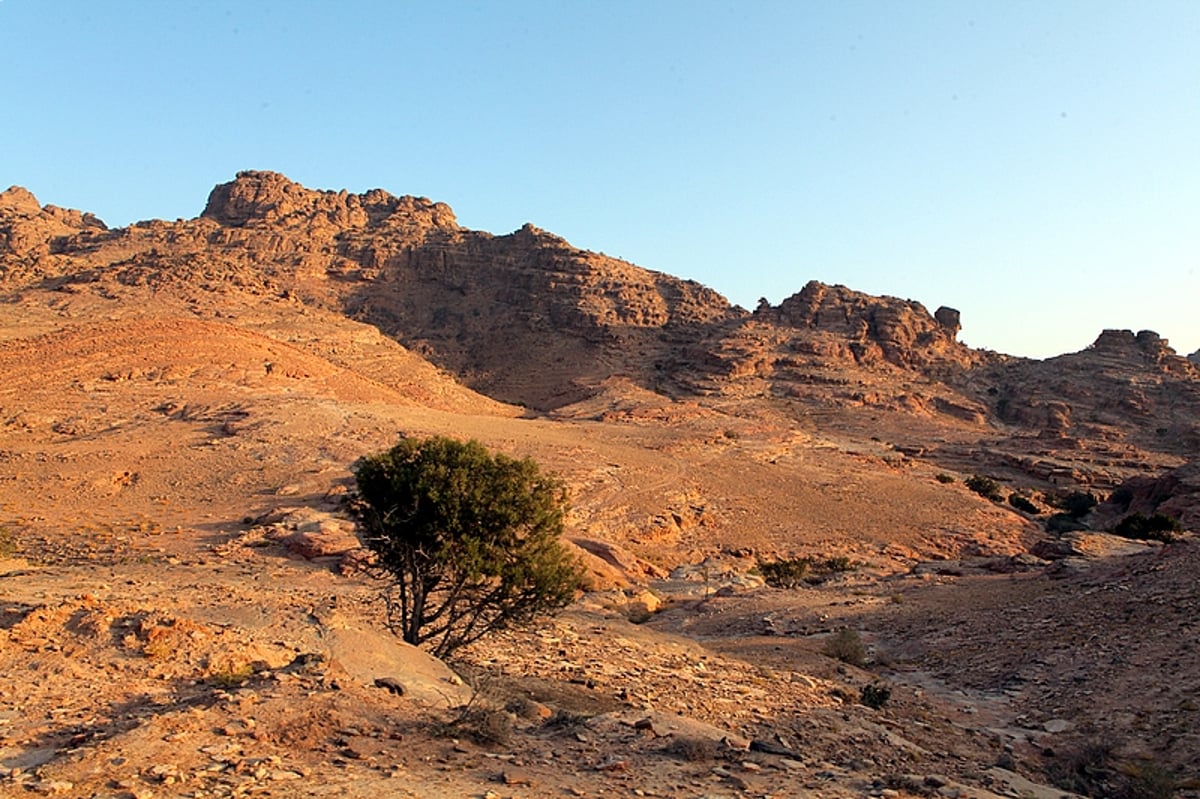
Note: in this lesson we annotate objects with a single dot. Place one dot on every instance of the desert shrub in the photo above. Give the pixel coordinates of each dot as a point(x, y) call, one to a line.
point(1023, 504)
point(838, 563)
point(692, 748)
point(789, 573)
point(468, 540)
point(232, 676)
point(1159, 527)
point(8, 544)
point(1084, 769)
point(847, 646)
point(985, 487)
point(944, 478)
point(1149, 781)
point(1090, 768)
point(796, 572)
point(1078, 503)
point(875, 695)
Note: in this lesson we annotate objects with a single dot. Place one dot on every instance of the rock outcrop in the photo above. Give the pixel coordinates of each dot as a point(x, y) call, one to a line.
point(30, 233)
point(1124, 386)
point(1175, 493)
point(898, 331)
point(1124, 344)
point(270, 199)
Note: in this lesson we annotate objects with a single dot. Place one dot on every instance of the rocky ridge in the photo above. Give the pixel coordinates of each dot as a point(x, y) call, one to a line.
point(528, 319)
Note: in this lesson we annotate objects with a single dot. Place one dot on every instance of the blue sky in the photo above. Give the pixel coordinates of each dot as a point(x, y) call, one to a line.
point(1034, 164)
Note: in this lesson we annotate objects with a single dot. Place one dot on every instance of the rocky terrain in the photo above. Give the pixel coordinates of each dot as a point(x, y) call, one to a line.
point(184, 611)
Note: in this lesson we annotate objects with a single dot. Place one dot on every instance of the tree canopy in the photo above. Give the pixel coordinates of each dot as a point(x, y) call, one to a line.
point(469, 540)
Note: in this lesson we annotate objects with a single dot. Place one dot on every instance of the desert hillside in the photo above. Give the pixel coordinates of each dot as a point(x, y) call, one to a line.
point(185, 610)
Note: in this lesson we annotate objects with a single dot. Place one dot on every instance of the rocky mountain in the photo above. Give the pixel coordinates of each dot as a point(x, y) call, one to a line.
point(526, 318)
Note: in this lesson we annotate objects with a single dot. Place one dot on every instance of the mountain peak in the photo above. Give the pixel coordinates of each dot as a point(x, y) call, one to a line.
point(18, 198)
point(264, 197)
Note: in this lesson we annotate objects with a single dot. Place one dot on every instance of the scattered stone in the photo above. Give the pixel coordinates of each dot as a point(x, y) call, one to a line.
point(56, 787)
point(731, 778)
point(767, 747)
point(515, 778)
point(391, 685)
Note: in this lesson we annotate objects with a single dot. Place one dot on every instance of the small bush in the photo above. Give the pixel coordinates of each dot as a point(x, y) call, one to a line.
point(785, 573)
point(8, 544)
point(232, 677)
point(846, 645)
point(875, 695)
point(985, 487)
point(1159, 527)
point(1022, 504)
point(1078, 503)
point(1085, 769)
point(1150, 781)
point(839, 563)
point(796, 572)
point(487, 726)
point(944, 478)
point(692, 748)
point(1092, 769)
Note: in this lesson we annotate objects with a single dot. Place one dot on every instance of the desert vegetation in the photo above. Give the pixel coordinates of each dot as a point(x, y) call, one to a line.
point(847, 646)
point(798, 572)
point(1158, 527)
point(985, 487)
point(1023, 504)
point(467, 540)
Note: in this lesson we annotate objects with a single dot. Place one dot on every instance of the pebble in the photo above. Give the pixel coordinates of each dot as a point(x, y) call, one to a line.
point(516, 778)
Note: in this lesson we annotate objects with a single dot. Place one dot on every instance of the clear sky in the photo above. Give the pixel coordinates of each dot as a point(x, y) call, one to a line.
point(1034, 164)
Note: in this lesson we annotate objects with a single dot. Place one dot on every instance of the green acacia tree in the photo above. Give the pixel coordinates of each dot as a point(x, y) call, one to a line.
point(469, 541)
